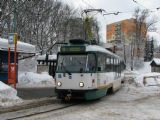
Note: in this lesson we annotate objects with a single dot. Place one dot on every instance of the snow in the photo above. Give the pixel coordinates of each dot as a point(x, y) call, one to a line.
point(21, 46)
point(100, 49)
point(50, 57)
point(27, 65)
point(26, 79)
point(8, 95)
point(148, 79)
point(133, 89)
point(34, 80)
point(155, 36)
point(145, 69)
point(156, 60)
point(28, 76)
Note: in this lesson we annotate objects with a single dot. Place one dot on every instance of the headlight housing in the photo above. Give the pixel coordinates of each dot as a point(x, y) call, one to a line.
point(81, 84)
point(59, 84)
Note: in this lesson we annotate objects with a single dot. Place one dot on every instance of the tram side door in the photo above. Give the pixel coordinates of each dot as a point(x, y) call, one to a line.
point(101, 75)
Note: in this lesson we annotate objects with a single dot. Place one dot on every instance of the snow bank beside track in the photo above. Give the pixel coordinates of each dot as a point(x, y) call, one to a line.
point(8, 95)
point(34, 80)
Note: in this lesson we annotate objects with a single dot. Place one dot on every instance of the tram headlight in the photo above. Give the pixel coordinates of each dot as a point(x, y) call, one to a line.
point(59, 84)
point(81, 84)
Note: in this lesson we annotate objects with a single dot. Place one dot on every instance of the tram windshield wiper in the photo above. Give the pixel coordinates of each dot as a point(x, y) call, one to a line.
point(65, 70)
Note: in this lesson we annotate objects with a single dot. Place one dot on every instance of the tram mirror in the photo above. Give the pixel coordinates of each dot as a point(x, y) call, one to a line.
point(99, 68)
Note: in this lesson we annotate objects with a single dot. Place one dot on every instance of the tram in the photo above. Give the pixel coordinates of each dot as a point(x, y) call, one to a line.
point(86, 71)
point(24, 50)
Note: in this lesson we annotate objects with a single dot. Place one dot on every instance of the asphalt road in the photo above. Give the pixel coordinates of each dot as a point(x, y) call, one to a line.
point(34, 93)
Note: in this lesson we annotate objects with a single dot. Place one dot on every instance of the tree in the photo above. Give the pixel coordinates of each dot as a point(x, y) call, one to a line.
point(41, 22)
point(149, 50)
point(142, 26)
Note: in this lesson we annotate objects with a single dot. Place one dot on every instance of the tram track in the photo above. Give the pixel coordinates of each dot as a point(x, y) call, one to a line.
point(65, 106)
point(42, 112)
point(41, 107)
point(29, 104)
point(35, 109)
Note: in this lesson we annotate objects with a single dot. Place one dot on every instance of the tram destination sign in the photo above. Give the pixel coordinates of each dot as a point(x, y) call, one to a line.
point(73, 49)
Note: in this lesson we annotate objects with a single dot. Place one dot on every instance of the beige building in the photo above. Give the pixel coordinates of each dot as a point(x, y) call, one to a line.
point(122, 30)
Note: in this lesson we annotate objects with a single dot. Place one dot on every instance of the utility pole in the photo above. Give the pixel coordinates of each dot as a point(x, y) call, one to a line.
point(12, 67)
point(15, 17)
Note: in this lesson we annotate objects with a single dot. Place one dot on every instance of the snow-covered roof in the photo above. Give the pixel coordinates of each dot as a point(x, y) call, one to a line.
point(156, 60)
point(21, 46)
point(100, 49)
point(50, 57)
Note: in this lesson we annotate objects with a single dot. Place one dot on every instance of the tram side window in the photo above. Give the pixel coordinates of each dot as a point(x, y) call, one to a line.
point(101, 62)
point(91, 65)
point(112, 64)
point(116, 65)
point(108, 64)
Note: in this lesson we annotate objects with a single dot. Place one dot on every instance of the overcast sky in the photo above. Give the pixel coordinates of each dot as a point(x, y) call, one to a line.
point(125, 6)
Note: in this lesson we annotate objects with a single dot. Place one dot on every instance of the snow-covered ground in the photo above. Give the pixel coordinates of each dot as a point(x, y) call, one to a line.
point(27, 78)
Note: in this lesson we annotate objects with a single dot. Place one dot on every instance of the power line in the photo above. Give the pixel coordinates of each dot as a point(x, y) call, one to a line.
point(87, 4)
point(139, 4)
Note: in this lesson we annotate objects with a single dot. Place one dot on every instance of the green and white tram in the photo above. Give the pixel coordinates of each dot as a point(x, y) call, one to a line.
point(86, 71)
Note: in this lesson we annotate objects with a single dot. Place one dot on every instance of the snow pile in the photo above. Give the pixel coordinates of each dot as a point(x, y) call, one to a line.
point(148, 79)
point(145, 69)
point(131, 92)
point(140, 84)
point(8, 95)
point(27, 65)
point(29, 80)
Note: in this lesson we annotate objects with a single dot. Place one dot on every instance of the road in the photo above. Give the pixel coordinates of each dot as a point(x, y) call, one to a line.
point(129, 103)
point(35, 93)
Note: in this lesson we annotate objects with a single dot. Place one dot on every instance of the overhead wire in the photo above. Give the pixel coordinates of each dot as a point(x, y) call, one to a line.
point(135, 1)
point(88, 4)
point(150, 10)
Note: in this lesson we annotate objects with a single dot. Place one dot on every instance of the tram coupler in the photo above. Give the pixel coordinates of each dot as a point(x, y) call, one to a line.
point(68, 97)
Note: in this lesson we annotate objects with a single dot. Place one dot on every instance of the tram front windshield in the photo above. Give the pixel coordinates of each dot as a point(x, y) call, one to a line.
point(76, 63)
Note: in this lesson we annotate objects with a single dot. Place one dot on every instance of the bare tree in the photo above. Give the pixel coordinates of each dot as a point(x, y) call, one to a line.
point(142, 25)
point(41, 22)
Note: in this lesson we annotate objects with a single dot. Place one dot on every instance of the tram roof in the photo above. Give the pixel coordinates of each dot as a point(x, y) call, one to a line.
point(21, 46)
point(100, 49)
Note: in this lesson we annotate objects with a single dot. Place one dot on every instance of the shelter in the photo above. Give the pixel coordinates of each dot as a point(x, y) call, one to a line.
point(155, 65)
point(23, 50)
